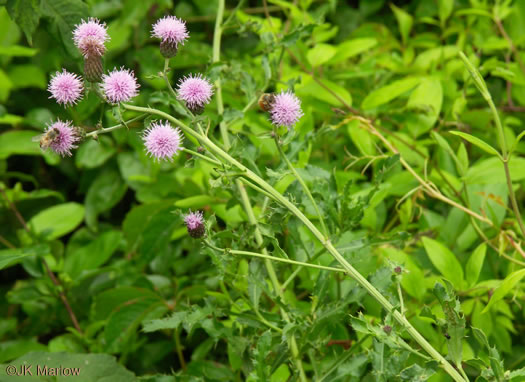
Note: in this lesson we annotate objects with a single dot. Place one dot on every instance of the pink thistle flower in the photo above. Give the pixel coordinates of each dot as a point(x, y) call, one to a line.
point(286, 109)
point(162, 141)
point(196, 91)
point(120, 85)
point(61, 137)
point(90, 37)
point(195, 224)
point(66, 87)
point(170, 28)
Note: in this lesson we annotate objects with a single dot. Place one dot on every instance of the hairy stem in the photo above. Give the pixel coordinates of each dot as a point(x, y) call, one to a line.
point(165, 75)
point(301, 181)
point(326, 243)
point(273, 258)
point(242, 191)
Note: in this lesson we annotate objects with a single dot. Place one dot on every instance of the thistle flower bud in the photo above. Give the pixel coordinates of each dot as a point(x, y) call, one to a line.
point(172, 32)
point(93, 68)
point(195, 224)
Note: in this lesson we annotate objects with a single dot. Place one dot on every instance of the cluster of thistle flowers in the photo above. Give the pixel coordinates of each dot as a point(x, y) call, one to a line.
point(161, 140)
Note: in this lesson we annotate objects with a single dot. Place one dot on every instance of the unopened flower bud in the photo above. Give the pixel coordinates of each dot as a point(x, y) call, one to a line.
point(172, 32)
point(93, 68)
point(387, 329)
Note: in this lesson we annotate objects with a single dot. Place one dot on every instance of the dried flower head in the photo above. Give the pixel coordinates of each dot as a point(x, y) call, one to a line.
point(195, 224)
point(286, 109)
point(162, 141)
point(172, 32)
point(196, 91)
point(90, 37)
point(60, 136)
point(120, 85)
point(66, 87)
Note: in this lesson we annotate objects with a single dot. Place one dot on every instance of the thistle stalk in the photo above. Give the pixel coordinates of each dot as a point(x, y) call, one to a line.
point(362, 281)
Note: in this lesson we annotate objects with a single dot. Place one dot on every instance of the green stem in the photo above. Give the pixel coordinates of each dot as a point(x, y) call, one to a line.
point(326, 243)
point(217, 34)
point(244, 196)
point(273, 258)
point(108, 129)
point(301, 181)
point(194, 153)
point(165, 75)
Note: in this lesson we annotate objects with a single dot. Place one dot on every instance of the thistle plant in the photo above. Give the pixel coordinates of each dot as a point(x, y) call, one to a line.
point(191, 123)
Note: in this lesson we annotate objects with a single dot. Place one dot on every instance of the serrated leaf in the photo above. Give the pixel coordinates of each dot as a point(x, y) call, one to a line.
point(26, 14)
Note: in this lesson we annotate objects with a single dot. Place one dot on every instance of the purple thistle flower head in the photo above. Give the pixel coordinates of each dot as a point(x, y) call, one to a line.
point(196, 91)
point(286, 109)
point(60, 136)
point(172, 29)
point(66, 87)
point(120, 85)
point(90, 37)
point(162, 141)
point(195, 224)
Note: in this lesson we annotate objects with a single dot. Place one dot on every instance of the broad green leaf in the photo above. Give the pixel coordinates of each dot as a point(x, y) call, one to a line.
point(9, 350)
point(425, 60)
point(309, 87)
point(10, 257)
point(443, 143)
point(126, 318)
point(352, 48)
point(5, 86)
point(282, 374)
point(320, 54)
point(93, 153)
point(92, 255)
point(27, 76)
point(66, 14)
point(389, 92)
point(57, 221)
point(445, 9)
point(445, 261)
point(26, 13)
point(506, 286)
point(106, 191)
point(491, 171)
point(88, 367)
point(17, 51)
point(361, 138)
point(477, 142)
point(427, 98)
point(197, 201)
point(474, 264)
point(404, 20)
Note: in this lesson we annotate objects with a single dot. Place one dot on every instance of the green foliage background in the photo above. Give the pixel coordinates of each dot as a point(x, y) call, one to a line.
point(108, 221)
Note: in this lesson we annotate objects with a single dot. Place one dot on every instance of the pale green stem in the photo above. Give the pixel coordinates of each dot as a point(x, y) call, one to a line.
point(216, 56)
point(505, 155)
point(401, 302)
point(242, 191)
point(109, 129)
point(165, 75)
point(301, 181)
point(326, 243)
point(273, 258)
point(256, 188)
point(194, 153)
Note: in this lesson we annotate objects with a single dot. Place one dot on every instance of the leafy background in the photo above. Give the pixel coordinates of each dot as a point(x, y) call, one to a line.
point(106, 223)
